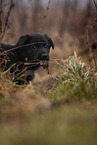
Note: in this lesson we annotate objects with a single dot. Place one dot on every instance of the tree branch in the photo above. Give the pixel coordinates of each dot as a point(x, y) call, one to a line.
point(7, 18)
point(1, 11)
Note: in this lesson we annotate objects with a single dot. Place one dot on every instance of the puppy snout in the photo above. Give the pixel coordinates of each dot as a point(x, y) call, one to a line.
point(44, 56)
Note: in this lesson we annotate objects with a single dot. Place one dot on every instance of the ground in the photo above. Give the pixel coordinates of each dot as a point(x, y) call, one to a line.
point(60, 108)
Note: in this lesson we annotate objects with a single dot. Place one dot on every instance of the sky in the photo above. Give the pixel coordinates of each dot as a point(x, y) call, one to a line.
point(82, 2)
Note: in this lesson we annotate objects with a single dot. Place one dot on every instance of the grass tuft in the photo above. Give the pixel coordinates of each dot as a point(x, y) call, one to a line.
point(76, 80)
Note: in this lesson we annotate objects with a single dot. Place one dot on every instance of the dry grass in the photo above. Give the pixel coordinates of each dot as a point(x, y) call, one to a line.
point(20, 102)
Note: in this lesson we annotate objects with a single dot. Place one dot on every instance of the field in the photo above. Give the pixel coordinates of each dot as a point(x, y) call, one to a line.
point(59, 108)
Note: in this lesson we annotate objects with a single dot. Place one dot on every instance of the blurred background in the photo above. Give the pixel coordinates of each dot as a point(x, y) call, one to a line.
point(59, 108)
point(65, 21)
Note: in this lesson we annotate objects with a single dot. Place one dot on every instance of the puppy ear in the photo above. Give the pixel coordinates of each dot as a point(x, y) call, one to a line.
point(49, 40)
point(22, 40)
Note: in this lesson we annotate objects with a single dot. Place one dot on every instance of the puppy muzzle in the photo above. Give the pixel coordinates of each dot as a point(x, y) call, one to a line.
point(43, 56)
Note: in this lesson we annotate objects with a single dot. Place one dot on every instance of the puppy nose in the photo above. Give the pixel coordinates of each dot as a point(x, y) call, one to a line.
point(44, 56)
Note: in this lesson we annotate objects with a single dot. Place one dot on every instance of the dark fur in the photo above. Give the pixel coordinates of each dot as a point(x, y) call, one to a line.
point(38, 50)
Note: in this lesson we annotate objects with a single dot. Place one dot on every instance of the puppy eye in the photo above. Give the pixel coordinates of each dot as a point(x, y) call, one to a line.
point(45, 45)
point(34, 47)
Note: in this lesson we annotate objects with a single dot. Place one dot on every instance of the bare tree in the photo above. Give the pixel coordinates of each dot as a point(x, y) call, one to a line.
point(4, 22)
point(1, 11)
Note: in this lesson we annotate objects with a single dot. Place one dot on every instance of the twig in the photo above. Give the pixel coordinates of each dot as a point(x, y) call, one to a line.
point(45, 15)
point(95, 4)
point(20, 47)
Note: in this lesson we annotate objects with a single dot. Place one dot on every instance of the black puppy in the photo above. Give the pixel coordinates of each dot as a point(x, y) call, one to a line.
point(29, 53)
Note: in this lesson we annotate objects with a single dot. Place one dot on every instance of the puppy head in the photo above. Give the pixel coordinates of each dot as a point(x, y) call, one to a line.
point(34, 46)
